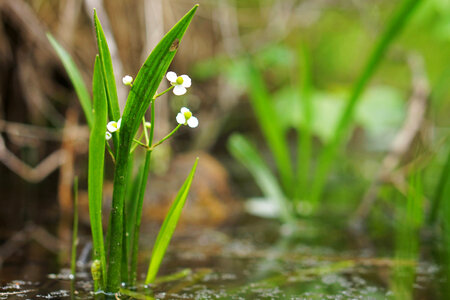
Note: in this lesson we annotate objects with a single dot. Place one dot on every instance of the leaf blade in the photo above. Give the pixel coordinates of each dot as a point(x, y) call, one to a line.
point(96, 165)
point(246, 153)
point(75, 78)
point(107, 71)
point(168, 227)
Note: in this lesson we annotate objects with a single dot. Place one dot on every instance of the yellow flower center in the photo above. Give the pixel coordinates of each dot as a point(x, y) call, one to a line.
point(179, 80)
point(187, 115)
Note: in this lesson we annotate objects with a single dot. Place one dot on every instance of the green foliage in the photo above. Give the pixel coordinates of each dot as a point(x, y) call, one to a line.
point(96, 164)
point(409, 219)
point(168, 227)
point(270, 126)
point(123, 234)
point(394, 27)
point(243, 150)
point(321, 114)
point(75, 78)
point(107, 71)
point(141, 93)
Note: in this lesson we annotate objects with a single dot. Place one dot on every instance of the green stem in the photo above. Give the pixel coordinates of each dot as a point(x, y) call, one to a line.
point(134, 146)
point(108, 147)
point(73, 261)
point(162, 93)
point(145, 131)
point(328, 154)
point(139, 203)
point(166, 137)
point(116, 219)
point(140, 143)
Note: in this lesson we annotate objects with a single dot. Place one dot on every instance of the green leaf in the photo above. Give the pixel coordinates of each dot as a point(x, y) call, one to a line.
point(96, 164)
point(107, 71)
point(139, 98)
point(271, 127)
point(168, 227)
point(245, 152)
point(75, 78)
point(150, 75)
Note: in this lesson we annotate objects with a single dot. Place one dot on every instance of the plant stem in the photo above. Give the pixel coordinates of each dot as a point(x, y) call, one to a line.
point(73, 261)
point(162, 93)
point(328, 154)
point(108, 147)
point(140, 143)
point(166, 137)
point(139, 203)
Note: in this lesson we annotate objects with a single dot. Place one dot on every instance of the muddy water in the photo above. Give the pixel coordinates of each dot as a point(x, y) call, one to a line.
point(254, 259)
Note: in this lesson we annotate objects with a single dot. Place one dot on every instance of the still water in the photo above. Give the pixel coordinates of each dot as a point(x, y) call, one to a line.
point(249, 259)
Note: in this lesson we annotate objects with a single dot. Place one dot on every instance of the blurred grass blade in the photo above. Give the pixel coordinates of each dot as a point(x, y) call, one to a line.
point(270, 126)
point(394, 27)
point(139, 98)
point(244, 152)
point(304, 130)
point(96, 164)
point(442, 188)
point(168, 227)
point(75, 78)
point(409, 219)
point(107, 71)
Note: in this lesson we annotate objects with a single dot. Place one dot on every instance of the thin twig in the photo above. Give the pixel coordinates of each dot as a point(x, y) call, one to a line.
point(36, 174)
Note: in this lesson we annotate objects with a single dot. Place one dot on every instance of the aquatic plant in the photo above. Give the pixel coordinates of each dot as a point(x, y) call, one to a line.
point(115, 255)
point(299, 189)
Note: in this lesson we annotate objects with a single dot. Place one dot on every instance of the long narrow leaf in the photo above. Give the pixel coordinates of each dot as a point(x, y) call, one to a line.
point(107, 71)
point(142, 92)
point(75, 78)
point(270, 126)
point(305, 138)
point(246, 153)
point(168, 227)
point(96, 165)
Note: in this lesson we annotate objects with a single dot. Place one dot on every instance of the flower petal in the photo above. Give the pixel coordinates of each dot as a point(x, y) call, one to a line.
point(118, 123)
point(184, 110)
point(108, 135)
point(112, 126)
point(186, 81)
point(179, 90)
point(192, 122)
point(181, 119)
point(171, 76)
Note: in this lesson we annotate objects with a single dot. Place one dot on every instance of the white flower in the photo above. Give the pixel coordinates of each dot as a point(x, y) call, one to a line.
point(127, 80)
point(185, 117)
point(180, 83)
point(108, 136)
point(148, 125)
point(113, 126)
